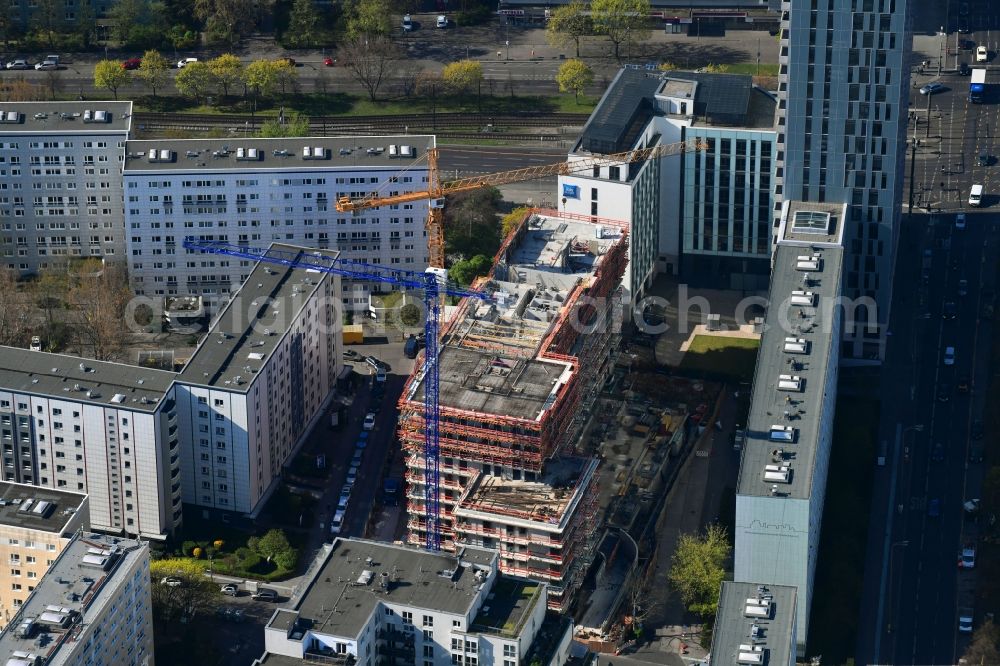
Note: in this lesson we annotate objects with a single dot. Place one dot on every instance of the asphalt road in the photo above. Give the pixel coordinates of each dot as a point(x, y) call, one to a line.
point(912, 584)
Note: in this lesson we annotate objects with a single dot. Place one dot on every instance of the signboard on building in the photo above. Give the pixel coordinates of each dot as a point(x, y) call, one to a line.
point(571, 191)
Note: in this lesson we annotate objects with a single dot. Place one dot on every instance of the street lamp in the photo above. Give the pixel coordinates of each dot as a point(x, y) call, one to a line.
point(892, 555)
point(941, 56)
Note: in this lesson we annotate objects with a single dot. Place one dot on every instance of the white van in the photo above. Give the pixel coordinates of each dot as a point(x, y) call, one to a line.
point(976, 195)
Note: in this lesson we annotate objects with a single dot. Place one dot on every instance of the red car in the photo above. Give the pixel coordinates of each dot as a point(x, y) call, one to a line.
point(329, 62)
point(131, 63)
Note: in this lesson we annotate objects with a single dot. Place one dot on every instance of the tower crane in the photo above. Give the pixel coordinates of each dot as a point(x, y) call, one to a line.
point(436, 189)
point(433, 284)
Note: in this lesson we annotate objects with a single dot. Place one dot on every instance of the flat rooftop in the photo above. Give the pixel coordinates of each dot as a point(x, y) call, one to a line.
point(65, 117)
point(64, 596)
point(37, 508)
point(253, 323)
point(511, 603)
point(811, 222)
point(249, 153)
point(337, 603)
point(754, 618)
point(791, 373)
point(549, 500)
point(489, 360)
point(64, 377)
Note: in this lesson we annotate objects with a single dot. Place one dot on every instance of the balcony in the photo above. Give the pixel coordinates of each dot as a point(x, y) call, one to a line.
point(312, 656)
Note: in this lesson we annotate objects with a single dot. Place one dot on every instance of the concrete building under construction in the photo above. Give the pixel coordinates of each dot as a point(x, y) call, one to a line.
point(518, 376)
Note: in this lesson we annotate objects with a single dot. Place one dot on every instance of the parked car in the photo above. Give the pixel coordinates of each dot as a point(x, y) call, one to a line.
point(442, 21)
point(264, 594)
point(47, 65)
point(230, 590)
point(949, 356)
point(983, 159)
point(960, 221)
point(184, 62)
point(352, 476)
point(131, 63)
point(170, 581)
point(36, 343)
point(337, 523)
point(352, 355)
point(329, 62)
point(407, 23)
point(380, 376)
point(356, 458)
point(965, 618)
point(369, 423)
point(932, 88)
point(20, 63)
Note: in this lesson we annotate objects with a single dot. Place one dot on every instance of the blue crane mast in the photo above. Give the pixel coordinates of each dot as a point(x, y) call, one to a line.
point(433, 284)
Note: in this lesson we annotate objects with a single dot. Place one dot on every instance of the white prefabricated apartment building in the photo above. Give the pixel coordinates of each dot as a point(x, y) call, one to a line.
point(256, 192)
point(141, 441)
point(61, 182)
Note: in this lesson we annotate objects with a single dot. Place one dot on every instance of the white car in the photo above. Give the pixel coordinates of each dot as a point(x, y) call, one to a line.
point(18, 64)
point(407, 23)
point(967, 560)
point(965, 620)
point(982, 54)
point(442, 21)
point(337, 523)
point(169, 581)
point(960, 221)
point(36, 343)
point(47, 64)
point(184, 62)
point(369, 421)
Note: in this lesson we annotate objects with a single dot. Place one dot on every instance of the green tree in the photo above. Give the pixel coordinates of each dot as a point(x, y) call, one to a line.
point(227, 70)
point(698, 569)
point(512, 219)
point(124, 14)
point(984, 648)
point(181, 38)
point(471, 225)
point(623, 22)
point(568, 25)
point(574, 76)
point(287, 559)
point(463, 75)
point(195, 80)
point(465, 271)
point(409, 315)
point(303, 23)
point(369, 18)
point(85, 24)
point(154, 70)
point(226, 21)
point(46, 19)
point(667, 67)
point(296, 125)
point(110, 74)
point(271, 545)
point(195, 594)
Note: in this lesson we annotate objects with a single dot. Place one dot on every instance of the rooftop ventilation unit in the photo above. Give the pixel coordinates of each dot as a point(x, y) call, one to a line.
point(406, 151)
point(314, 153)
point(26, 505)
point(805, 262)
point(247, 154)
point(43, 509)
point(777, 473)
point(782, 433)
point(10, 117)
point(750, 654)
point(757, 608)
point(789, 383)
point(96, 116)
point(796, 346)
point(280, 153)
point(365, 577)
point(804, 298)
point(155, 155)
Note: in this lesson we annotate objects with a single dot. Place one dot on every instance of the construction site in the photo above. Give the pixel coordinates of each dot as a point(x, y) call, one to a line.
point(518, 378)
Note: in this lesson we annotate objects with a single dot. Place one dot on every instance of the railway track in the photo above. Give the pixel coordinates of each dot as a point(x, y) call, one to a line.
point(333, 125)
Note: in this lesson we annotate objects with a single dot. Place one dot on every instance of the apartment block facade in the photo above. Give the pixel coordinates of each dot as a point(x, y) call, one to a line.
point(61, 182)
point(255, 192)
point(35, 525)
point(844, 86)
point(93, 607)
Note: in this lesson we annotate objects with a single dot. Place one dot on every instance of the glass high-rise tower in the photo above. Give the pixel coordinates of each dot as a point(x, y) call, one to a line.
point(842, 111)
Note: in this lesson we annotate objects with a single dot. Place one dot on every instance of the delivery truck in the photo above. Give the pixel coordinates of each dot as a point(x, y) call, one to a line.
point(977, 86)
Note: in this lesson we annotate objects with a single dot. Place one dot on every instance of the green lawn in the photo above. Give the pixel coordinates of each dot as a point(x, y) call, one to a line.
point(720, 357)
point(844, 538)
point(347, 104)
point(764, 69)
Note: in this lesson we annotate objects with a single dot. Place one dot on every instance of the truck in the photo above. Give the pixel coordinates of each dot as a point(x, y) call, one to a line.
point(977, 86)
